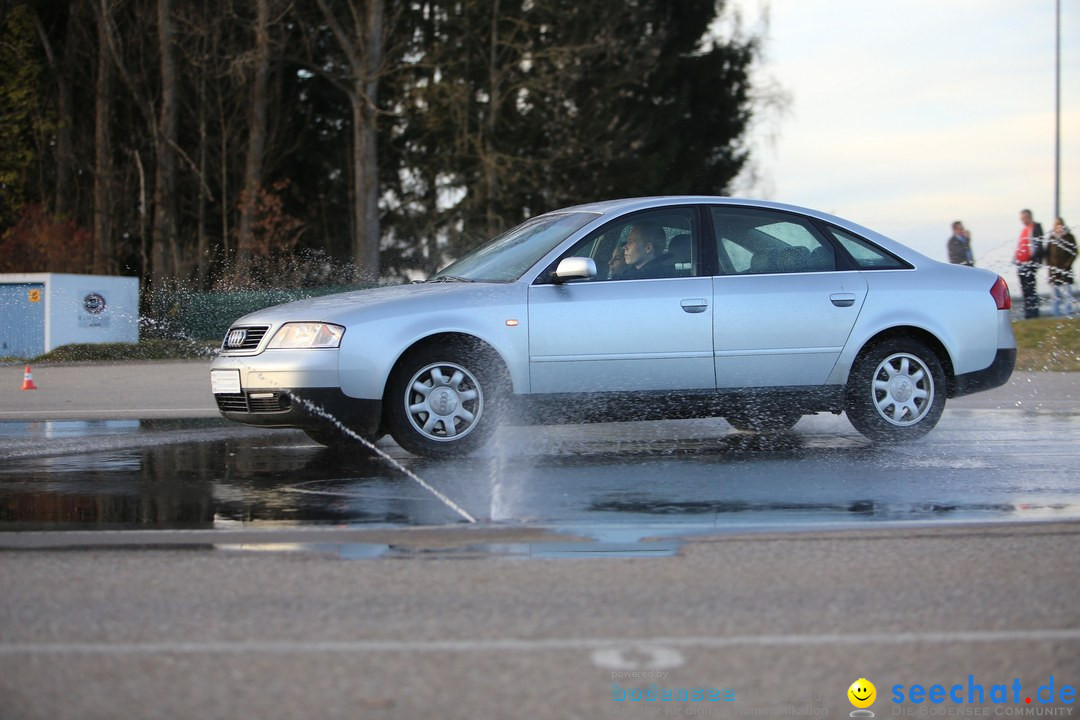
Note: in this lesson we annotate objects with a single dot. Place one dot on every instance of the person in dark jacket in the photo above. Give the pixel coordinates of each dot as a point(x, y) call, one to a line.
point(644, 252)
point(959, 246)
point(1028, 258)
point(1060, 254)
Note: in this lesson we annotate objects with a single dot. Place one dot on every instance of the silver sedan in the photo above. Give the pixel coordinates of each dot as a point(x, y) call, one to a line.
point(634, 309)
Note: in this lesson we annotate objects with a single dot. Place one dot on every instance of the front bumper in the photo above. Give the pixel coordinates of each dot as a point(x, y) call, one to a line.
point(994, 376)
point(301, 407)
point(290, 388)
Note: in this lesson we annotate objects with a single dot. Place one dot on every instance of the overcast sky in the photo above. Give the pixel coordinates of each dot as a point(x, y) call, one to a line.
point(906, 116)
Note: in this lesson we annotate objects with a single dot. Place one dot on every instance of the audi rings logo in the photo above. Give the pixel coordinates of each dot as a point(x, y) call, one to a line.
point(444, 403)
point(236, 338)
point(94, 303)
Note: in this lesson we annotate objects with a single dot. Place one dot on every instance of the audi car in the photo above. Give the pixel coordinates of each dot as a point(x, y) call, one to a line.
point(638, 309)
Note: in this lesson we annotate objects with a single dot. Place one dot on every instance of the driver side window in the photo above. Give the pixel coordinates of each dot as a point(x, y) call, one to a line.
point(648, 245)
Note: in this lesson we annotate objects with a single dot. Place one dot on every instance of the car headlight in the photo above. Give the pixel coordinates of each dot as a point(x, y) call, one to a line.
point(307, 335)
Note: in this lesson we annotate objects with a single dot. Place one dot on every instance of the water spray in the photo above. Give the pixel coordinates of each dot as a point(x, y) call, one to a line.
point(315, 409)
point(321, 412)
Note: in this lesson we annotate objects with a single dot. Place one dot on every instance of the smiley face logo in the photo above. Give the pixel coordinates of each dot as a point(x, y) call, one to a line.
point(862, 693)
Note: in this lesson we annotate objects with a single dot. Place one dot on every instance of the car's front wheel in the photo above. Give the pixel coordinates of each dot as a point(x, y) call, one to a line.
point(896, 391)
point(442, 400)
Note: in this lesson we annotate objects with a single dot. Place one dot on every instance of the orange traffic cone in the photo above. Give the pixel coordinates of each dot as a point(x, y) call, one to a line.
point(28, 380)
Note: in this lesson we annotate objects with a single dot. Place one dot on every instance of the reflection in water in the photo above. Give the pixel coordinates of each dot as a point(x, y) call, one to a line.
point(161, 488)
point(183, 487)
point(54, 510)
point(864, 508)
point(53, 429)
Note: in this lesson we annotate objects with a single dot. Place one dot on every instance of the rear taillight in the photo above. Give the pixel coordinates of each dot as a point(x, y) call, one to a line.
point(1001, 295)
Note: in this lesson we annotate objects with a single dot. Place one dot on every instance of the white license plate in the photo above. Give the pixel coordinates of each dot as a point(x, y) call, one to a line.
point(225, 382)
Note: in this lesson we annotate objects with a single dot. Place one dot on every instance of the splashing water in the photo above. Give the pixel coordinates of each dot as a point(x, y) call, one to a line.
point(503, 495)
point(315, 409)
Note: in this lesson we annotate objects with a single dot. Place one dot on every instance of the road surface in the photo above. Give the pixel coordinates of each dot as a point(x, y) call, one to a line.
point(177, 567)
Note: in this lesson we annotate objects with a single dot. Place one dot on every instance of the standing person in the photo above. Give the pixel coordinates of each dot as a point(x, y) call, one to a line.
point(1060, 254)
point(959, 246)
point(1028, 257)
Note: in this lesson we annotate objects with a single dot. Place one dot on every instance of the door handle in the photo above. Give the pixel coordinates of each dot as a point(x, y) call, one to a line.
point(694, 305)
point(842, 299)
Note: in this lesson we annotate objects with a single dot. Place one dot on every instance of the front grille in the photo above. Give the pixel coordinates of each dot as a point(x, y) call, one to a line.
point(232, 402)
point(255, 402)
point(242, 338)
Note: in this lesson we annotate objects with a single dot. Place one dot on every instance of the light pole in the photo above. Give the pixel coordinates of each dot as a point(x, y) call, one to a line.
point(1057, 114)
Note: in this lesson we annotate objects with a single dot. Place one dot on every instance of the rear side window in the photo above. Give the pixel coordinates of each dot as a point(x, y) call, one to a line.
point(866, 255)
point(757, 241)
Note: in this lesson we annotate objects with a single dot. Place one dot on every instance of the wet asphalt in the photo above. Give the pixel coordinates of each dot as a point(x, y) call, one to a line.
point(1009, 455)
point(161, 563)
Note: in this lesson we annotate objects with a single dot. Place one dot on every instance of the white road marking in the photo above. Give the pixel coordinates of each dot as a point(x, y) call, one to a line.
point(637, 657)
point(526, 645)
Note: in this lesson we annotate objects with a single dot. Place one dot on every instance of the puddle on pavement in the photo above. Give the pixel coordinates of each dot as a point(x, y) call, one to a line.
point(165, 475)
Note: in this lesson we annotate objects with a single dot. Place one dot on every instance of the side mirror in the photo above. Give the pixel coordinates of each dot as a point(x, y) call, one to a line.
point(575, 268)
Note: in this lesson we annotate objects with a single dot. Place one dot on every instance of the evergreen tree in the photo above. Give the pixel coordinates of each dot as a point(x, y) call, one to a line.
point(514, 108)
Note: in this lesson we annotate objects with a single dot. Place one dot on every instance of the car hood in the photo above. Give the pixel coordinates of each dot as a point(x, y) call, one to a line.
point(343, 308)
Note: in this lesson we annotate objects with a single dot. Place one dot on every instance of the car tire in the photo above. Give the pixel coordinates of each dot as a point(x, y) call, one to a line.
point(443, 400)
point(754, 420)
point(896, 391)
point(333, 437)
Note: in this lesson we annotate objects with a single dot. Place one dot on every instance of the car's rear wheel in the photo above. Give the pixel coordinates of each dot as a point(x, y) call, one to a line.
point(896, 391)
point(757, 420)
point(442, 399)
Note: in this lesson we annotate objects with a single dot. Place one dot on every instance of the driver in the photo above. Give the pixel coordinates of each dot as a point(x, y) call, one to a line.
point(643, 252)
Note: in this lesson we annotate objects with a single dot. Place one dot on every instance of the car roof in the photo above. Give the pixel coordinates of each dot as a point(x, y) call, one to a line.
point(624, 205)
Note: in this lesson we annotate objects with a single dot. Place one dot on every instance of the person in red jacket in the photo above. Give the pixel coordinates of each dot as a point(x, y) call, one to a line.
point(1028, 258)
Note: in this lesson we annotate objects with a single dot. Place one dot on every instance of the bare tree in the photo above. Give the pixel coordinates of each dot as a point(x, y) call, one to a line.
point(164, 251)
point(104, 249)
point(253, 167)
point(143, 101)
point(362, 44)
point(61, 63)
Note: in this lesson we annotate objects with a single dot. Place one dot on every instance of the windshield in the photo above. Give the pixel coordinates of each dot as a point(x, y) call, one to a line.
point(507, 257)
